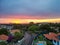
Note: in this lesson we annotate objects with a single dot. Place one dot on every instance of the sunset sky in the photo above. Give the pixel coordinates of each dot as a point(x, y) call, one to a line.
point(25, 11)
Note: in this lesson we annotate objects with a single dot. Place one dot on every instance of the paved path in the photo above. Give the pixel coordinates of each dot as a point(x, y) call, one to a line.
point(28, 39)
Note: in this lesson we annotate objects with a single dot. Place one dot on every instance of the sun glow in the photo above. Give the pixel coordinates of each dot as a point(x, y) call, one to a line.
point(15, 21)
point(5, 20)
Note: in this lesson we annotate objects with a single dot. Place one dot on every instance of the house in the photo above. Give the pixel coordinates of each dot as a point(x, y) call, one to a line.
point(54, 37)
point(13, 31)
point(3, 37)
point(9, 27)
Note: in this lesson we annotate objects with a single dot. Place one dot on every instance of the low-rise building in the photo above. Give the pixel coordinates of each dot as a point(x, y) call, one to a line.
point(55, 38)
point(3, 37)
point(9, 27)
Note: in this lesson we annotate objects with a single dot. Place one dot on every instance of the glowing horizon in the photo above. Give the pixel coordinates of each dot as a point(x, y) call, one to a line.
point(25, 11)
point(21, 21)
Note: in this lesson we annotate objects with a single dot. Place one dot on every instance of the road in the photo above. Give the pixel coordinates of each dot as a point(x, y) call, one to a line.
point(28, 39)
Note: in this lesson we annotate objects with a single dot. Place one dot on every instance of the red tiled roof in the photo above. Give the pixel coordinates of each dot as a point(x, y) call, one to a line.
point(16, 30)
point(52, 36)
point(3, 37)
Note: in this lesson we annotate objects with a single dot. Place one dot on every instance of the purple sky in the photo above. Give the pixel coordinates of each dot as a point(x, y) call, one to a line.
point(32, 8)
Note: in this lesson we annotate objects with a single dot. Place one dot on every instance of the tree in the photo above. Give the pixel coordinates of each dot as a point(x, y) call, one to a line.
point(3, 43)
point(45, 28)
point(4, 31)
point(33, 28)
point(31, 23)
point(59, 29)
point(18, 35)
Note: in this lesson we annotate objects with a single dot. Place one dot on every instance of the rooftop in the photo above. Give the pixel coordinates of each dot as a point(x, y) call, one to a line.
point(52, 36)
point(3, 37)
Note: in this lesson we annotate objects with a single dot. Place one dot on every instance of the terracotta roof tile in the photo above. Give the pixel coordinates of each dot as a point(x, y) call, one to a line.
point(16, 30)
point(3, 37)
point(52, 36)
